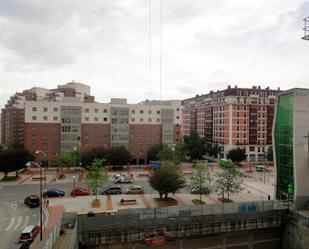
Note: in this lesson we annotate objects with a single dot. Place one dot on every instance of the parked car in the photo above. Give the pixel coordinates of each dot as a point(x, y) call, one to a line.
point(78, 191)
point(111, 190)
point(32, 201)
point(53, 193)
point(29, 233)
point(123, 179)
point(136, 189)
point(202, 190)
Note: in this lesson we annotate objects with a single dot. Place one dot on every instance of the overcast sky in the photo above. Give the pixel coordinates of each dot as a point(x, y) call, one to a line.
point(206, 45)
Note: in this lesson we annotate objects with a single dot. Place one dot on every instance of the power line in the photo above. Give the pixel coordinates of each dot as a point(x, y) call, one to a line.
point(150, 49)
point(161, 32)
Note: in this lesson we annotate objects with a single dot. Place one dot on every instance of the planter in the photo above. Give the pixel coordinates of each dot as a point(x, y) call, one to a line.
point(96, 203)
point(198, 202)
point(165, 203)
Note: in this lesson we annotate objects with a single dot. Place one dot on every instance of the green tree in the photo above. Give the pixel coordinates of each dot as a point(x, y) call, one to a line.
point(119, 156)
point(14, 158)
point(228, 181)
point(153, 152)
point(194, 146)
point(167, 179)
point(270, 155)
point(236, 155)
point(97, 176)
point(94, 153)
point(64, 160)
point(201, 179)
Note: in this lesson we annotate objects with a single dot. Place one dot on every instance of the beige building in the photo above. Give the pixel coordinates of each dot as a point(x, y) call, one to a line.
point(56, 120)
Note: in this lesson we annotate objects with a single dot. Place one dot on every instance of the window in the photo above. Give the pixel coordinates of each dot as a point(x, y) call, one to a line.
point(149, 112)
point(86, 118)
point(55, 109)
point(252, 148)
point(45, 109)
point(132, 111)
point(177, 109)
point(55, 118)
point(104, 119)
point(132, 119)
point(158, 120)
point(105, 110)
point(141, 120)
point(96, 110)
point(34, 109)
point(45, 118)
point(158, 112)
point(33, 117)
point(141, 112)
point(87, 110)
point(177, 117)
point(149, 120)
point(96, 119)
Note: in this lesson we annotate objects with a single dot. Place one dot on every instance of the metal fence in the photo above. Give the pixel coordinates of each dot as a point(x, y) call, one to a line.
point(180, 221)
point(50, 242)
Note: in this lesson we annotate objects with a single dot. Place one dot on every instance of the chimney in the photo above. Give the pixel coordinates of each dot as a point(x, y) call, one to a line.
point(259, 87)
point(235, 86)
point(229, 86)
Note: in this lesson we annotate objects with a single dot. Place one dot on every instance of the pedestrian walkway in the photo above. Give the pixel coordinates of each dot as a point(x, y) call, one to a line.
point(55, 213)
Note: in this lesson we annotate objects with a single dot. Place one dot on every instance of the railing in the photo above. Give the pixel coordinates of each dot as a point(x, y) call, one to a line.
point(50, 242)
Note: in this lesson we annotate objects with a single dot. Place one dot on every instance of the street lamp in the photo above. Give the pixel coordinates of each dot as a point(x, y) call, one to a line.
point(41, 198)
point(37, 152)
point(74, 186)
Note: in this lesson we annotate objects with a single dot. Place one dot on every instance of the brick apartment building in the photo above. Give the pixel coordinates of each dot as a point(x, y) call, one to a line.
point(56, 120)
point(234, 117)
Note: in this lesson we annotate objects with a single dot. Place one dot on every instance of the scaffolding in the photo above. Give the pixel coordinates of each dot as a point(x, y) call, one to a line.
point(306, 28)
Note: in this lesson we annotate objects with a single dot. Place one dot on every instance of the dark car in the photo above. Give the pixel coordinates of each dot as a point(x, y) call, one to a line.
point(25, 245)
point(53, 193)
point(112, 190)
point(32, 201)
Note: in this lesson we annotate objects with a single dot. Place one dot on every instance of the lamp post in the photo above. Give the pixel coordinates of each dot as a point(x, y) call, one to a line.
point(41, 198)
point(73, 186)
point(44, 154)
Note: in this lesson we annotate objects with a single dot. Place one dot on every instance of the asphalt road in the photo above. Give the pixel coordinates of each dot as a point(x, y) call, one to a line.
point(14, 215)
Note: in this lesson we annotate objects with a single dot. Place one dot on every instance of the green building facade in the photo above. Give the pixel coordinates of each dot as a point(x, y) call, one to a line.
point(284, 146)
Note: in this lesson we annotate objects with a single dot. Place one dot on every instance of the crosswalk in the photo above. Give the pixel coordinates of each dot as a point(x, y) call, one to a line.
point(15, 223)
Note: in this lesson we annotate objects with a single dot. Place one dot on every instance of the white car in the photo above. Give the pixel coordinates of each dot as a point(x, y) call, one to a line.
point(123, 179)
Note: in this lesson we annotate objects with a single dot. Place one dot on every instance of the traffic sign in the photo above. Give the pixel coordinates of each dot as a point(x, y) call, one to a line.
point(155, 165)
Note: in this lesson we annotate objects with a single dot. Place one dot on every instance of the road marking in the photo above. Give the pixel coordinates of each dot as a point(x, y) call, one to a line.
point(10, 225)
point(20, 220)
point(1, 187)
point(13, 205)
point(34, 215)
point(26, 222)
point(5, 218)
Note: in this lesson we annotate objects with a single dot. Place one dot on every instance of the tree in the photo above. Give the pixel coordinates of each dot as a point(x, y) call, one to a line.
point(270, 155)
point(97, 176)
point(201, 179)
point(194, 146)
point(213, 149)
point(167, 179)
point(66, 159)
point(228, 181)
point(94, 153)
point(153, 152)
point(236, 155)
point(13, 159)
point(119, 156)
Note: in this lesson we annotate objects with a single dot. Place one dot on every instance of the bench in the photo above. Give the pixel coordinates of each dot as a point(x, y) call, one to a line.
point(127, 202)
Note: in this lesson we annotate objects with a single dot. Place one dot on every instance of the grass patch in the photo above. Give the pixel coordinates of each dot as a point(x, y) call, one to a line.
point(198, 202)
point(168, 199)
point(9, 178)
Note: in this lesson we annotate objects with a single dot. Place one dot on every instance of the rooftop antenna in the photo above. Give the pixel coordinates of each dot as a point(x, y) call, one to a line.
point(306, 28)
